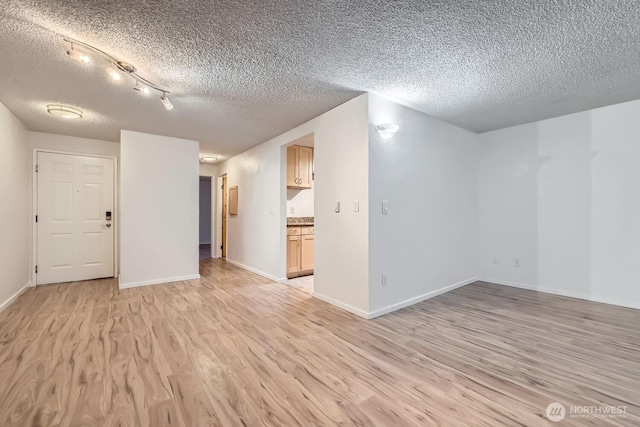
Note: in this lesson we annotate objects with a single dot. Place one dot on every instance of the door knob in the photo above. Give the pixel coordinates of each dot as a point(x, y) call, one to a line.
point(108, 225)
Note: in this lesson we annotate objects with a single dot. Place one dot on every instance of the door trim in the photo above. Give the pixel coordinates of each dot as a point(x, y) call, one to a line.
point(34, 208)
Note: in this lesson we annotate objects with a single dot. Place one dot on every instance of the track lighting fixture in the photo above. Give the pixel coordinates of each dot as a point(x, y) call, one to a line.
point(165, 101)
point(117, 69)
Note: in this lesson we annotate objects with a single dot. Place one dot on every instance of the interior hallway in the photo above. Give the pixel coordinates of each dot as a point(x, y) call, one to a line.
point(205, 251)
point(234, 348)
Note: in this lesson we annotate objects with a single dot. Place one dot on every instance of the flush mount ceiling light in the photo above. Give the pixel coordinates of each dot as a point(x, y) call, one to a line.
point(387, 130)
point(117, 69)
point(208, 158)
point(64, 111)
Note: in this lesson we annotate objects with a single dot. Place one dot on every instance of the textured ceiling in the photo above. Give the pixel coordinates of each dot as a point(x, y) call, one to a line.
point(241, 72)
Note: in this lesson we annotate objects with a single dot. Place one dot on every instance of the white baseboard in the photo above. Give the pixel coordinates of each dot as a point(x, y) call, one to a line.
point(255, 271)
point(347, 307)
point(420, 298)
point(15, 296)
point(553, 291)
point(157, 281)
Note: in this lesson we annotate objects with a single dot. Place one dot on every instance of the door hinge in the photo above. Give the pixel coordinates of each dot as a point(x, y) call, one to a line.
point(37, 168)
point(36, 269)
point(36, 218)
point(220, 247)
point(222, 187)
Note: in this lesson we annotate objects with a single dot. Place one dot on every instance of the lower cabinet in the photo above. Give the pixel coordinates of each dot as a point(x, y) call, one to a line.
point(293, 255)
point(300, 251)
point(306, 256)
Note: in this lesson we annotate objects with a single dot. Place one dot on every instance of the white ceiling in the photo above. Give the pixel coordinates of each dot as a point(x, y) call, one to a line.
point(241, 72)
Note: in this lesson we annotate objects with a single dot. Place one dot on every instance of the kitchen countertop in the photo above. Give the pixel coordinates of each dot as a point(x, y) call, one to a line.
point(300, 221)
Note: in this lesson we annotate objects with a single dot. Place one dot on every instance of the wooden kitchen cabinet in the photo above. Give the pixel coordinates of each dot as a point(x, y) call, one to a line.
point(300, 251)
point(306, 253)
point(299, 167)
point(293, 255)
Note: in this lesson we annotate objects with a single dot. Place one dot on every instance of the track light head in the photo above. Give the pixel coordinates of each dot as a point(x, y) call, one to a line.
point(165, 101)
point(78, 56)
point(113, 73)
point(142, 89)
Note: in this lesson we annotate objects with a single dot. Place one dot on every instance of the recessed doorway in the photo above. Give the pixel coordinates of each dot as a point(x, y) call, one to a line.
point(74, 214)
point(205, 217)
point(225, 202)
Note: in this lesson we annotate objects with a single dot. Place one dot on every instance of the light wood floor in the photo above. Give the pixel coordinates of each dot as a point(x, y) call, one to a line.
point(236, 349)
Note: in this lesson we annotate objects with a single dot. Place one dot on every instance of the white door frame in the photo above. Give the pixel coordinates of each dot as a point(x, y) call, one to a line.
point(34, 206)
point(218, 214)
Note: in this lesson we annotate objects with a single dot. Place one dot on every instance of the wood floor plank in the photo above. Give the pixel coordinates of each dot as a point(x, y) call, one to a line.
point(234, 348)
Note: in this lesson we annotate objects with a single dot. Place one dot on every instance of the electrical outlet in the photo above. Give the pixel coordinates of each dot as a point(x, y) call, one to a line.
point(384, 279)
point(495, 260)
point(516, 262)
point(292, 210)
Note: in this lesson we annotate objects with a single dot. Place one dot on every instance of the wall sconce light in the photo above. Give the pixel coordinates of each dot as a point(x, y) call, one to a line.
point(387, 130)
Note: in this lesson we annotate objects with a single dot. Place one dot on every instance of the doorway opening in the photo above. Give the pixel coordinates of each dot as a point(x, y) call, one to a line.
point(300, 230)
point(225, 201)
point(205, 218)
point(75, 209)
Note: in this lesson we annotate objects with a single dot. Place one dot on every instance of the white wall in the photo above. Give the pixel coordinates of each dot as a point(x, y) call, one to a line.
point(72, 144)
point(204, 229)
point(15, 217)
point(256, 236)
point(562, 195)
point(427, 173)
point(159, 209)
point(300, 202)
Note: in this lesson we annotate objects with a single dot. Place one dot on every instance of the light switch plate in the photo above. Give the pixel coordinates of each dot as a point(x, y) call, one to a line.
point(337, 209)
point(356, 206)
point(385, 207)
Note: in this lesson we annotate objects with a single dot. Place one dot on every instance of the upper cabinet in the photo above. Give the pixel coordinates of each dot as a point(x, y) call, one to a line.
point(299, 167)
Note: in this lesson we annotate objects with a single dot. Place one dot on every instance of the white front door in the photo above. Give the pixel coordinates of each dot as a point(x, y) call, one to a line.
point(75, 218)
